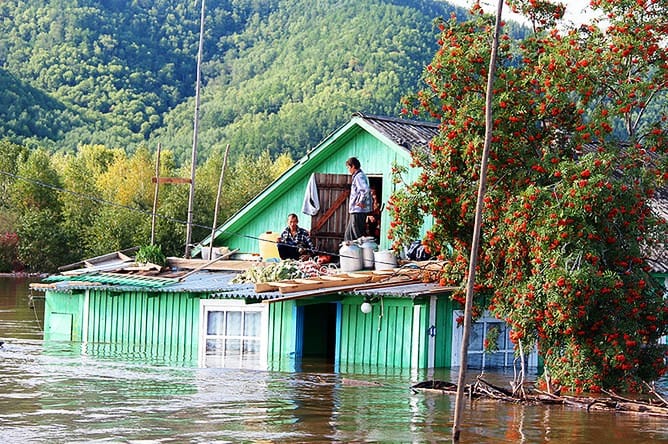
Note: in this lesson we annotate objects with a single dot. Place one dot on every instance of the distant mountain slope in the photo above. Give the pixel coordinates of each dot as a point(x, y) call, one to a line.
point(27, 112)
point(278, 74)
point(297, 74)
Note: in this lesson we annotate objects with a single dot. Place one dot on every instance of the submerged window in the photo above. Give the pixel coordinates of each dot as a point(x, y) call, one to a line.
point(499, 355)
point(232, 334)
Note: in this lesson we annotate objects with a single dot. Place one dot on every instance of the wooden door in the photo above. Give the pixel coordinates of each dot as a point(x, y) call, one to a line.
point(328, 226)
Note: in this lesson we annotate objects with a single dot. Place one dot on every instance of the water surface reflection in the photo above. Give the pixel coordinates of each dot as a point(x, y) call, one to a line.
point(65, 392)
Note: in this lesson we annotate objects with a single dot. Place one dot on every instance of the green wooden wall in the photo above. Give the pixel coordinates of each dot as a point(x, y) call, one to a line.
point(282, 341)
point(63, 316)
point(166, 324)
point(383, 337)
point(376, 158)
point(395, 334)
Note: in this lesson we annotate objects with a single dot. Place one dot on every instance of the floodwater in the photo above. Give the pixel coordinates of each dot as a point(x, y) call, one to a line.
point(63, 392)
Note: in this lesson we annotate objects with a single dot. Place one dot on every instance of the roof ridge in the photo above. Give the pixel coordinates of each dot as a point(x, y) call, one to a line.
point(396, 120)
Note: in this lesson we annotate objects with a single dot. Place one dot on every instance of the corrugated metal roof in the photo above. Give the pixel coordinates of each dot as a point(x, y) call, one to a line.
point(407, 133)
point(212, 284)
point(132, 280)
point(215, 284)
point(406, 291)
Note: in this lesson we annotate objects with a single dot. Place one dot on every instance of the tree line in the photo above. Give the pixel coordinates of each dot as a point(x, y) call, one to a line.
point(60, 209)
point(90, 88)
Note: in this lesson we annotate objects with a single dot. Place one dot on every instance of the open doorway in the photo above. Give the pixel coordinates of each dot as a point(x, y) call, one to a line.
point(319, 332)
point(329, 225)
point(373, 226)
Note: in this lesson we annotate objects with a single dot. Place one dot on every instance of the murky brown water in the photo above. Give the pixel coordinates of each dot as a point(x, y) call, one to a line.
point(59, 392)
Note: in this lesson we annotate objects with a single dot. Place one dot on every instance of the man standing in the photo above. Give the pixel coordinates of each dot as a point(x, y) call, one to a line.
point(360, 203)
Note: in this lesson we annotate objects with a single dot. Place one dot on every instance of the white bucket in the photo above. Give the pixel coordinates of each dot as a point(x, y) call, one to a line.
point(385, 260)
point(350, 257)
point(369, 247)
point(217, 252)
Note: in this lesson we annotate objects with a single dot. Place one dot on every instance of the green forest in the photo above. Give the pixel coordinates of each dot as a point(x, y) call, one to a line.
point(89, 89)
point(276, 75)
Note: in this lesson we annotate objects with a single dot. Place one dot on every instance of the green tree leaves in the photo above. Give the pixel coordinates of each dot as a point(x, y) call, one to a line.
point(64, 208)
point(567, 214)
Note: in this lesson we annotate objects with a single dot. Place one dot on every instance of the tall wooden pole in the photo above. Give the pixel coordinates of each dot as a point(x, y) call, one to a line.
point(193, 160)
point(155, 194)
point(475, 244)
point(215, 210)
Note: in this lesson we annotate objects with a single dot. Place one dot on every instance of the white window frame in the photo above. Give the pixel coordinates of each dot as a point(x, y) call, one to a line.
point(231, 305)
point(486, 319)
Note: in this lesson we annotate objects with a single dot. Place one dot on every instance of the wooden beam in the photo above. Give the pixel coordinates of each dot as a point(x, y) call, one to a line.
point(335, 206)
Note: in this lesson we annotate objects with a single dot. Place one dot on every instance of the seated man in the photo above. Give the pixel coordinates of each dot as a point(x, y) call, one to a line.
point(295, 242)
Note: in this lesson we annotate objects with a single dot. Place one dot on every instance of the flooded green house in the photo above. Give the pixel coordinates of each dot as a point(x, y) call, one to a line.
point(203, 317)
point(207, 320)
point(196, 314)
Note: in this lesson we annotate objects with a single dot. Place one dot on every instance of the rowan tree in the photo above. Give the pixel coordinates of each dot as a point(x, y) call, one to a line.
point(578, 151)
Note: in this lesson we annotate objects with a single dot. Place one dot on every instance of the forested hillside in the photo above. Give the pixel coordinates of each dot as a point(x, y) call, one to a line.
point(277, 74)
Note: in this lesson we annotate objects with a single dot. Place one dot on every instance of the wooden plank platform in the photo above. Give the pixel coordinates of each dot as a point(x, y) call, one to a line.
point(343, 280)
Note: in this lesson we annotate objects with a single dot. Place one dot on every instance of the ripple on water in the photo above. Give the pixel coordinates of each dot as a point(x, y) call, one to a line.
point(66, 392)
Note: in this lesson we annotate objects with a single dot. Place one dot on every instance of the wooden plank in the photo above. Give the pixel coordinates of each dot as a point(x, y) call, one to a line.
point(36, 285)
point(263, 287)
point(208, 263)
point(295, 285)
point(286, 287)
point(337, 204)
point(225, 265)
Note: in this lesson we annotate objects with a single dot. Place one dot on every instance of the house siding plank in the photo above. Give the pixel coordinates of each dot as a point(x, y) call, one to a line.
point(63, 304)
point(369, 339)
point(281, 348)
point(155, 325)
point(443, 349)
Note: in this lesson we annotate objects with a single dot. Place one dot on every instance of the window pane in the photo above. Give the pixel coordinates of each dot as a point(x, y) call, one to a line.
point(503, 334)
point(252, 323)
point(214, 346)
point(251, 346)
point(233, 327)
point(495, 360)
point(215, 322)
point(232, 347)
point(476, 337)
point(474, 360)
